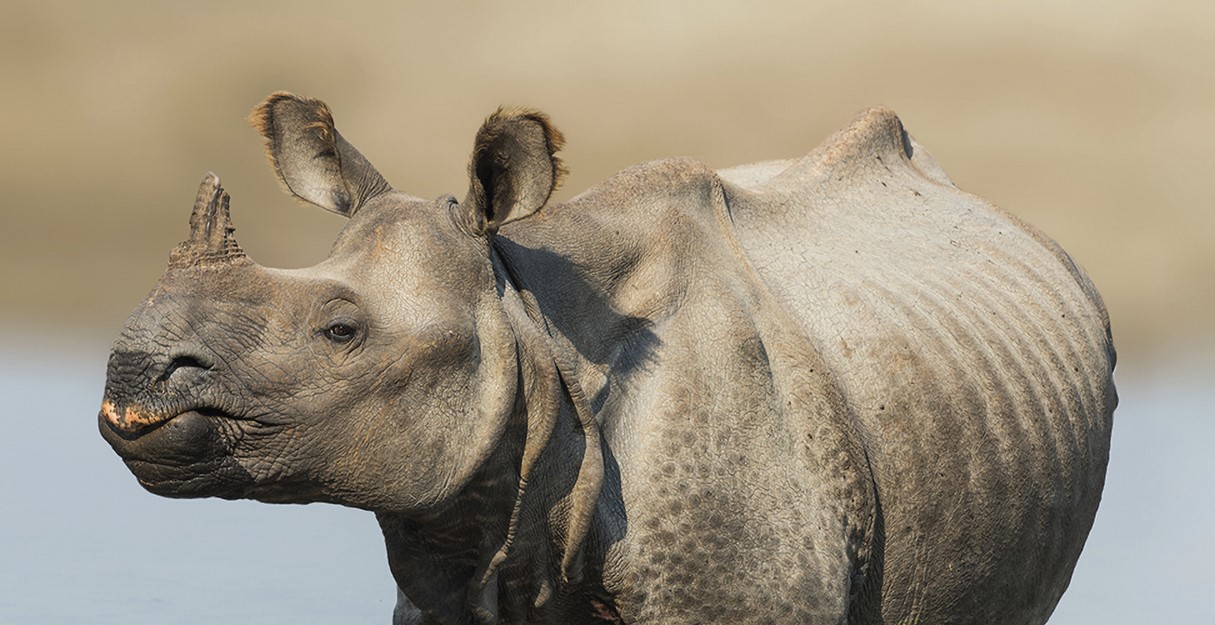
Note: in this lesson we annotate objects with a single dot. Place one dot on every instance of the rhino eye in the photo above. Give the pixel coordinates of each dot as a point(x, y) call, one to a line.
point(340, 332)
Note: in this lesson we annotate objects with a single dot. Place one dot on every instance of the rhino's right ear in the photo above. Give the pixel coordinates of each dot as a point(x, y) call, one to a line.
point(312, 159)
point(514, 168)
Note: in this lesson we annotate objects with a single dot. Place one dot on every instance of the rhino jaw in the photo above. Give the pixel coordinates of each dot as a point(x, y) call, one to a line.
point(174, 454)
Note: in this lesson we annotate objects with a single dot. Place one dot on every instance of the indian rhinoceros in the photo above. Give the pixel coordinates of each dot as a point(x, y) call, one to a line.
point(823, 390)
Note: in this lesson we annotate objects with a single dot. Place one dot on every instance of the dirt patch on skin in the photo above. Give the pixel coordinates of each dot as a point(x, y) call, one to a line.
point(130, 419)
point(1088, 120)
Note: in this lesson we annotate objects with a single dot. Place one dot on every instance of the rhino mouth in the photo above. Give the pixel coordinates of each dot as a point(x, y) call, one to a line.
point(178, 453)
point(132, 422)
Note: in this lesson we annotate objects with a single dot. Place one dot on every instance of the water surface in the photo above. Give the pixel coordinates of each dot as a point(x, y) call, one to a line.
point(81, 542)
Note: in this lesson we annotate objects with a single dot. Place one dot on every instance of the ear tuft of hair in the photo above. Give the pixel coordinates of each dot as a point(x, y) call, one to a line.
point(553, 139)
point(262, 118)
point(311, 158)
point(514, 168)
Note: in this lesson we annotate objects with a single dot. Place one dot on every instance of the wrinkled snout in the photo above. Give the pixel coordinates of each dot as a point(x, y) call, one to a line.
point(145, 389)
point(156, 417)
point(165, 411)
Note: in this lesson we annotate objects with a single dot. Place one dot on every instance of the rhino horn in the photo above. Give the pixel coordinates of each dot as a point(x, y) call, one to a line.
point(212, 238)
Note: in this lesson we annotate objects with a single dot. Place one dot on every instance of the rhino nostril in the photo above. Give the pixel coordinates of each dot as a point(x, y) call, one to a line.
point(183, 362)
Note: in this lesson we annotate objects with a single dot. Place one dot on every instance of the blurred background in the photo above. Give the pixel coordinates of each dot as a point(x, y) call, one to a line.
point(1091, 120)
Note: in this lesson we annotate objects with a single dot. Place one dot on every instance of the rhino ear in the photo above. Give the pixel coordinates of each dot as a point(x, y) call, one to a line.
point(312, 159)
point(514, 168)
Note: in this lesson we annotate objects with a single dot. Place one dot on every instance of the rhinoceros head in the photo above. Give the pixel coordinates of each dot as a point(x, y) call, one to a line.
point(381, 378)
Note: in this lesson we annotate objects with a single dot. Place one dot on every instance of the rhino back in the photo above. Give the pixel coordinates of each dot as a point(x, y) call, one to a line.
point(974, 353)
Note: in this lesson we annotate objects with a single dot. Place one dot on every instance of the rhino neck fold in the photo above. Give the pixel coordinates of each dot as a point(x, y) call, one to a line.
point(490, 554)
point(535, 339)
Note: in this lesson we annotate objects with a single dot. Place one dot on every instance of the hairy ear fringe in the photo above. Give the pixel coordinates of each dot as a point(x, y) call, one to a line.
point(553, 139)
point(261, 118)
point(514, 169)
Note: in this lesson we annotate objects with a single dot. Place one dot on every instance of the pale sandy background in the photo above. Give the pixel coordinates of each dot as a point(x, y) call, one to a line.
point(1090, 119)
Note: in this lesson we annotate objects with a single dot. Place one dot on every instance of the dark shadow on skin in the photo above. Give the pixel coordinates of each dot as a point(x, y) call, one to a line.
point(596, 328)
point(905, 139)
point(586, 317)
point(611, 528)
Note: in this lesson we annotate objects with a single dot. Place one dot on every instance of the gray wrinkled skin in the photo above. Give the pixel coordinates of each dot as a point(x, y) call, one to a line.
point(834, 389)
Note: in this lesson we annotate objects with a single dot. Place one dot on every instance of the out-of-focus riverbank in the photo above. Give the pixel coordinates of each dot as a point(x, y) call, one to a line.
point(1089, 119)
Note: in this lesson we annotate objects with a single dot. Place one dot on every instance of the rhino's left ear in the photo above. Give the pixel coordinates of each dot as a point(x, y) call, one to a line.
point(514, 168)
point(312, 159)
